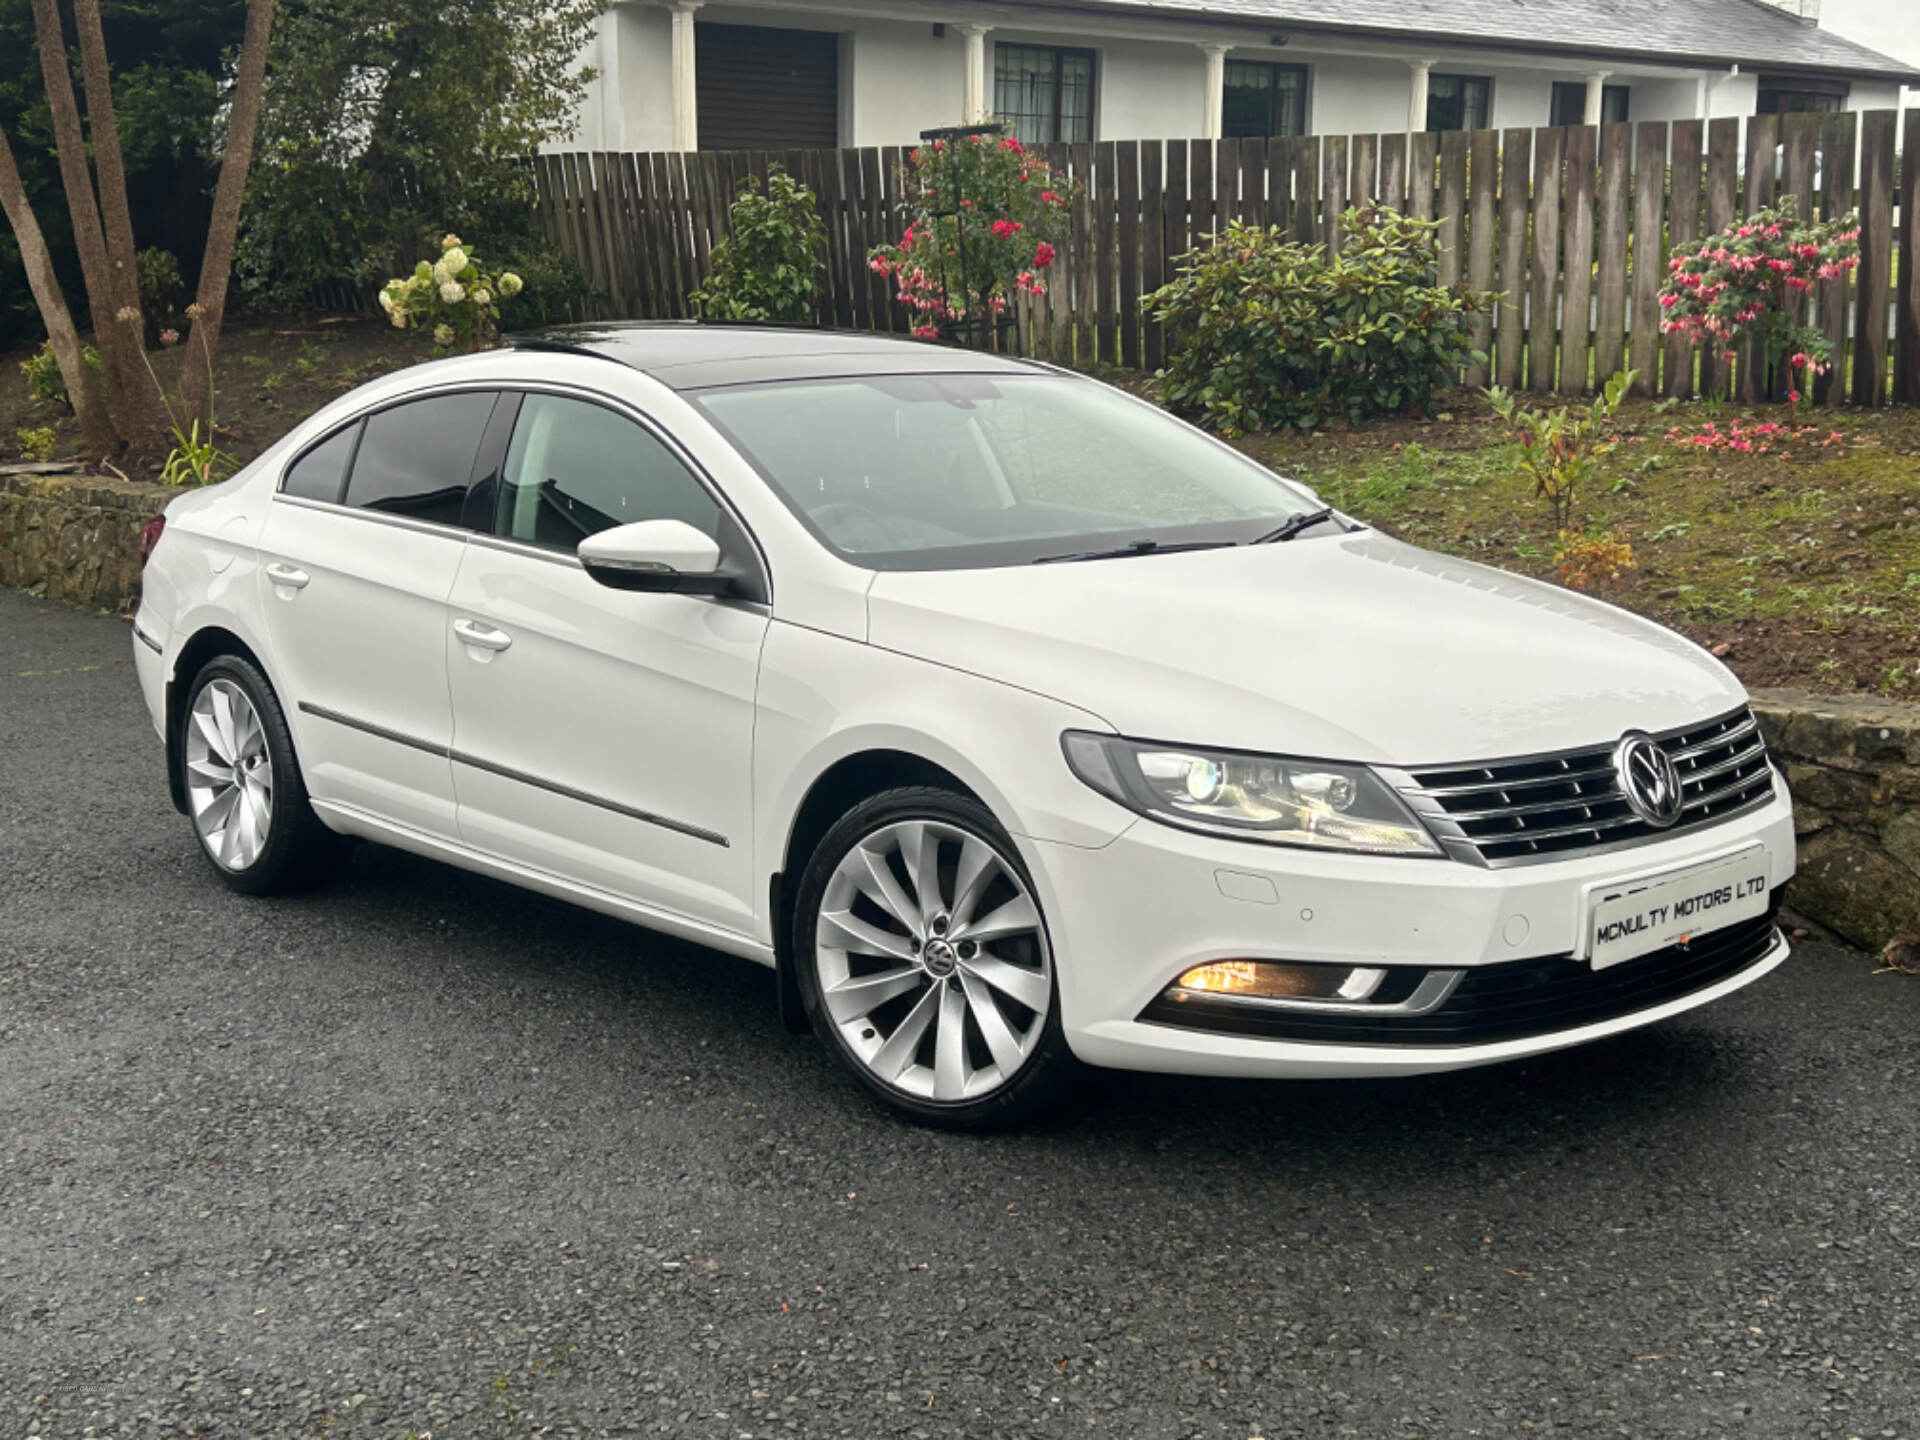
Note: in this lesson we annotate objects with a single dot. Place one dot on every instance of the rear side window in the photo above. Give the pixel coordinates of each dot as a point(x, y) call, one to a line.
point(416, 459)
point(322, 471)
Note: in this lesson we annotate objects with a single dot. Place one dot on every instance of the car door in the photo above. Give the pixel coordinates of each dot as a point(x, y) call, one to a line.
point(603, 735)
point(358, 555)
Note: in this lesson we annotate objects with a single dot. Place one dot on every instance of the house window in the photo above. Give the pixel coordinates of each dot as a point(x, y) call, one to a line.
point(1799, 95)
point(1263, 99)
point(757, 87)
point(1458, 102)
point(1043, 94)
point(1570, 103)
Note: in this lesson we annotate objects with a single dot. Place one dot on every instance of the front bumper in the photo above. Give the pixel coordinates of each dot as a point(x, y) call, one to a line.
point(1128, 917)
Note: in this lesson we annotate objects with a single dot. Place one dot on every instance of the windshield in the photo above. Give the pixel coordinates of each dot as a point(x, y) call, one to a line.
point(921, 472)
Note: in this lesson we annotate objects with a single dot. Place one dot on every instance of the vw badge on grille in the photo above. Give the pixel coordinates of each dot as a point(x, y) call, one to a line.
point(1648, 778)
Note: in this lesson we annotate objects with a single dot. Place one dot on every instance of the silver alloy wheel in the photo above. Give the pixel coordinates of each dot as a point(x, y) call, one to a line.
point(229, 775)
point(932, 960)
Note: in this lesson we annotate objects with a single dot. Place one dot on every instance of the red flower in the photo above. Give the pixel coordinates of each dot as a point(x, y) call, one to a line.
point(1005, 229)
point(1049, 197)
point(1042, 256)
point(1012, 144)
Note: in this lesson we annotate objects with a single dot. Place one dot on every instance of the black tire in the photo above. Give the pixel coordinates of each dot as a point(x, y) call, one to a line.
point(1049, 1071)
point(299, 852)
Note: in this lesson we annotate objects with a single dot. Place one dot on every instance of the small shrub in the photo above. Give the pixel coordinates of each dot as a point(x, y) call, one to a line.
point(1265, 332)
point(158, 275)
point(36, 442)
point(1591, 558)
point(1744, 280)
point(194, 460)
point(766, 269)
point(1561, 448)
point(452, 297)
point(45, 383)
point(985, 215)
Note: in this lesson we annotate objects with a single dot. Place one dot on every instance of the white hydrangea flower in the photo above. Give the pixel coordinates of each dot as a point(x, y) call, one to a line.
point(452, 291)
point(482, 295)
point(386, 301)
point(399, 318)
point(455, 260)
point(510, 284)
point(443, 335)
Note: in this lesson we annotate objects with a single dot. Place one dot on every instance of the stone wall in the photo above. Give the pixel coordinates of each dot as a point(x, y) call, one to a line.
point(76, 537)
point(1853, 764)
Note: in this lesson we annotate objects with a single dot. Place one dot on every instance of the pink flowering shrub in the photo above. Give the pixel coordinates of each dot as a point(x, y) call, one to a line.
point(1744, 280)
point(1754, 439)
point(985, 215)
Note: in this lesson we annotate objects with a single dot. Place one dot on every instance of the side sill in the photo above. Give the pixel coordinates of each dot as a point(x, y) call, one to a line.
point(349, 820)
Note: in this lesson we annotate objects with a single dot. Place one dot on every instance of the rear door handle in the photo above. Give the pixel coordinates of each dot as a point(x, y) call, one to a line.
point(288, 575)
point(471, 632)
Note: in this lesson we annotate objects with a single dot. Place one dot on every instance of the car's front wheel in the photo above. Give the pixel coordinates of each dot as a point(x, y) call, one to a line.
point(923, 961)
point(244, 789)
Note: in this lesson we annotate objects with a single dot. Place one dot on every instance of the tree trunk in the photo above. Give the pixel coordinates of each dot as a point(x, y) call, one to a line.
point(83, 390)
point(133, 396)
point(216, 263)
point(103, 129)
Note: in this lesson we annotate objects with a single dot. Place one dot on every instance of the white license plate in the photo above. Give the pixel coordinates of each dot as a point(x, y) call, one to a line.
point(1630, 918)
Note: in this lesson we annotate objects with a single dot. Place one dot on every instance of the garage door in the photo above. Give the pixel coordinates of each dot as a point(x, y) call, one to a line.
point(759, 88)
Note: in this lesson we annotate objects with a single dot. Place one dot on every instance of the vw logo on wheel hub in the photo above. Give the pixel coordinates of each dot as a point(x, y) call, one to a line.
point(1648, 778)
point(940, 958)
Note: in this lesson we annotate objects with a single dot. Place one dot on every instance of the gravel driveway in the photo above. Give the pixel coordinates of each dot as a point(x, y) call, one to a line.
point(422, 1152)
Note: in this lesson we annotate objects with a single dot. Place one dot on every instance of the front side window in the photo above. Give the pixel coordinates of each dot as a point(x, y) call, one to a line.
point(575, 468)
point(919, 472)
point(1799, 95)
point(1458, 102)
point(1043, 94)
point(1261, 98)
point(415, 459)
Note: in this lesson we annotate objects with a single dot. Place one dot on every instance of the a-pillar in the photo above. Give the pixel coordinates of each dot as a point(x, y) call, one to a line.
point(975, 108)
point(1212, 117)
point(1417, 96)
point(686, 112)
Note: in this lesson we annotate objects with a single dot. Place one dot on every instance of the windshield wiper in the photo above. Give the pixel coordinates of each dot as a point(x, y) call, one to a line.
point(1135, 547)
point(1293, 525)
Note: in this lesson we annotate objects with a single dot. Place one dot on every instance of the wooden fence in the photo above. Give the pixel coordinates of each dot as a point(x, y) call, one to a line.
point(1552, 219)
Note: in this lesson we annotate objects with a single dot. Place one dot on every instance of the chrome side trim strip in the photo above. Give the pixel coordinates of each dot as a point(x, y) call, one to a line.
point(378, 517)
point(460, 757)
point(505, 772)
point(367, 727)
point(517, 547)
point(147, 640)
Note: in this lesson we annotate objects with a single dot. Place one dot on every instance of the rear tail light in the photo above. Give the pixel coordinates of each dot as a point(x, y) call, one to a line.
point(150, 537)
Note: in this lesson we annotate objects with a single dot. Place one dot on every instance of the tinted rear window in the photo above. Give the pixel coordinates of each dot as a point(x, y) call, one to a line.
point(415, 459)
point(319, 474)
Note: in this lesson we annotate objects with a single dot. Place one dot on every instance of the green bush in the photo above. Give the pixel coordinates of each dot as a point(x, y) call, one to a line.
point(44, 381)
point(1264, 332)
point(158, 274)
point(765, 270)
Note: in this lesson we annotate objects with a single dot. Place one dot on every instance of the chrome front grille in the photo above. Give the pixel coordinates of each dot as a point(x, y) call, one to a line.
point(1509, 812)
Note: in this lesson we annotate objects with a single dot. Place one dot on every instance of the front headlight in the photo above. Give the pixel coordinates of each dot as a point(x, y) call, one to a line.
point(1279, 799)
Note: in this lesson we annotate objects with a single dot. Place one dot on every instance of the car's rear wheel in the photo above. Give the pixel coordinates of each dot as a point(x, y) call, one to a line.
point(244, 791)
point(923, 960)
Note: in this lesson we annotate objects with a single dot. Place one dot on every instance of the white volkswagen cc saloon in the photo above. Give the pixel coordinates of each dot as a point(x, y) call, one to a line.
point(1011, 720)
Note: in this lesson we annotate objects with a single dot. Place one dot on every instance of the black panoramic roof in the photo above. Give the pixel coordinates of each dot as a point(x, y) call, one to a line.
point(690, 355)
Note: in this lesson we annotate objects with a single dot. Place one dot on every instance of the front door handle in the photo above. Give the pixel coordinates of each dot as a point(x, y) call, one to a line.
point(290, 576)
point(472, 632)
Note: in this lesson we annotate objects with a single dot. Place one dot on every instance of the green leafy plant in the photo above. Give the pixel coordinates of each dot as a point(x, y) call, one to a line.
point(766, 269)
point(1266, 332)
point(1744, 280)
point(1561, 449)
point(158, 275)
point(195, 460)
point(44, 381)
point(985, 214)
point(452, 297)
point(35, 442)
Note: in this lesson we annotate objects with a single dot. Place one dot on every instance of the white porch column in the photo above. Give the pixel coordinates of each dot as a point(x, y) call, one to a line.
point(975, 106)
point(686, 113)
point(1212, 116)
point(613, 110)
point(1596, 93)
point(1417, 98)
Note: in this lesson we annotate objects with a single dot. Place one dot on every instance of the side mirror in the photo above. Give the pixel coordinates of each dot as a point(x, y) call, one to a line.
point(658, 555)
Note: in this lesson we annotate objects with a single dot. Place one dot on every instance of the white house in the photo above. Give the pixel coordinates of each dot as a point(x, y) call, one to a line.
point(775, 74)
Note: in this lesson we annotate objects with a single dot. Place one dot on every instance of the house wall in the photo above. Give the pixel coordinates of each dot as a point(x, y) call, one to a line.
point(1890, 26)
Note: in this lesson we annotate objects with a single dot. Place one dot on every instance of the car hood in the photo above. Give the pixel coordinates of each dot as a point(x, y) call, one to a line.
point(1354, 647)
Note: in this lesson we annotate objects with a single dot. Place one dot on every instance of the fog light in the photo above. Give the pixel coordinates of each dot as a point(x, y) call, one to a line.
point(1278, 980)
